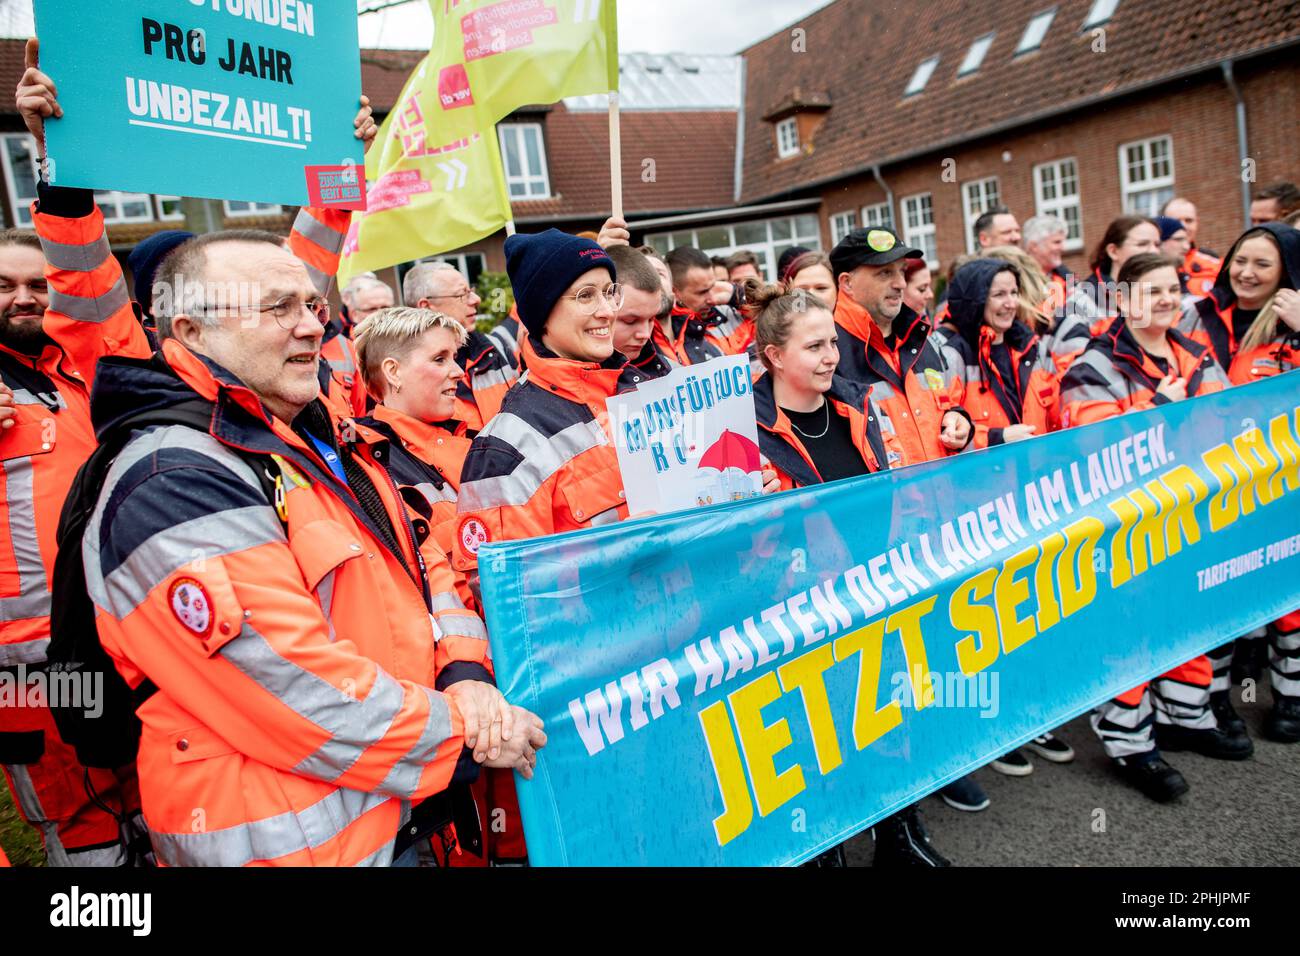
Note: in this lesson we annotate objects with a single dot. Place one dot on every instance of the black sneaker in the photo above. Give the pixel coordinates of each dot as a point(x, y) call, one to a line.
point(1215, 742)
point(903, 841)
point(1150, 774)
point(965, 794)
point(1225, 714)
point(1283, 722)
point(1050, 747)
point(1014, 764)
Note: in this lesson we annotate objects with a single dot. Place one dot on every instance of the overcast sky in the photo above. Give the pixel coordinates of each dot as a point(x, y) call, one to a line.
point(645, 26)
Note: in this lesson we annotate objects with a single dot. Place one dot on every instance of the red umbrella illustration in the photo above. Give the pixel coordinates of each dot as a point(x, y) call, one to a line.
point(732, 451)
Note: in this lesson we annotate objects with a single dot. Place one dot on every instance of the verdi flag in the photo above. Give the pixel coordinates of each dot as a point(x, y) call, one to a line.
point(494, 56)
point(429, 193)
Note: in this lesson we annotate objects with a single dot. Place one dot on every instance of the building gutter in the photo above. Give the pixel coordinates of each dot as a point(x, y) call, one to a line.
point(1242, 142)
point(727, 213)
point(740, 134)
point(889, 194)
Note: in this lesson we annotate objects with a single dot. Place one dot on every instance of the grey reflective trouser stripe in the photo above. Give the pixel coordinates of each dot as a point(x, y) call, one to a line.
point(1221, 660)
point(30, 805)
point(1284, 663)
point(272, 837)
point(1125, 731)
point(33, 599)
point(1187, 705)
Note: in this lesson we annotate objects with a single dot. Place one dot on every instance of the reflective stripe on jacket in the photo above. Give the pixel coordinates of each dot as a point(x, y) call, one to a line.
point(1035, 398)
point(1280, 355)
point(1114, 375)
point(910, 384)
point(546, 462)
point(89, 316)
point(489, 374)
point(295, 718)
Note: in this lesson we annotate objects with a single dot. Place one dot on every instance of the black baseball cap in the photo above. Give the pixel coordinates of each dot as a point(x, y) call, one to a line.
point(876, 246)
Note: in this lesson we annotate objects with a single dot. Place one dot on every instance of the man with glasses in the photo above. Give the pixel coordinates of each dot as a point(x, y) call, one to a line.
point(289, 633)
point(489, 370)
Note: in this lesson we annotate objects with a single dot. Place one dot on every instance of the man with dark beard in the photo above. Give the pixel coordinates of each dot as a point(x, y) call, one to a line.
point(87, 817)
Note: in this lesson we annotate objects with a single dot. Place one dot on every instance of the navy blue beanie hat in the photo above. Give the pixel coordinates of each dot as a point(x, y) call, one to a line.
point(543, 266)
point(1167, 226)
point(147, 256)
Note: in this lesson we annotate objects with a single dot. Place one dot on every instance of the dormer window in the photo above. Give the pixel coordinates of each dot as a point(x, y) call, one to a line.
point(787, 138)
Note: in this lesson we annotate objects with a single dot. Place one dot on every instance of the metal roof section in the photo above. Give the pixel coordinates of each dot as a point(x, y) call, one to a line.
point(672, 81)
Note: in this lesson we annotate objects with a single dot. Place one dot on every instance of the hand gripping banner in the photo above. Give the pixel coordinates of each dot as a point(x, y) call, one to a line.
point(752, 683)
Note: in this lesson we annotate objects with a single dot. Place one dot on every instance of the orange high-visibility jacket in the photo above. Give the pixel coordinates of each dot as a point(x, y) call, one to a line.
point(873, 435)
point(426, 462)
point(292, 645)
point(1280, 355)
point(347, 388)
point(489, 374)
point(994, 404)
point(89, 316)
point(1200, 271)
point(729, 329)
point(690, 343)
point(910, 383)
point(317, 240)
point(1114, 375)
point(546, 463)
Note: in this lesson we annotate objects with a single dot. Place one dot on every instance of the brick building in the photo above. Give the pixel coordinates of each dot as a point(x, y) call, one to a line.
point(1083, 108)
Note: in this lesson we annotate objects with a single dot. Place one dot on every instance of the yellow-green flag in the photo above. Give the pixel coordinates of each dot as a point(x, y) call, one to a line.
point(494, 56)
point(429, 192)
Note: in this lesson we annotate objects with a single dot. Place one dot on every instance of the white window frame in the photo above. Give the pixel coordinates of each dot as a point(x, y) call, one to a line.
point(1060, 205)
point(921, 76)
point(917, 232)
point(1100, 12)
point(1035, 31)
point(461, 261)
point(21, 206)
point(527, 178)
point(116, 201)
point(177, 216)
point(253, 208)
point(977, 197)
point(787, 138)
point(842, 223)
point(878, 214)
point(1160, 188)
point(976, 54)
point(766, 251)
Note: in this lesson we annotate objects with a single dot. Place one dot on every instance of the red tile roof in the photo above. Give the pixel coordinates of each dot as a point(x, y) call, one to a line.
point(863, 53)
point(673, 161)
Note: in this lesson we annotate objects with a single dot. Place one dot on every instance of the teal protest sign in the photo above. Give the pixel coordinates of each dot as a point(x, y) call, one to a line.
point(226, 99)
point(752, 683)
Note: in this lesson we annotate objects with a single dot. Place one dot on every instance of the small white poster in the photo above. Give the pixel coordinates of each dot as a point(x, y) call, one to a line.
point(689, 439)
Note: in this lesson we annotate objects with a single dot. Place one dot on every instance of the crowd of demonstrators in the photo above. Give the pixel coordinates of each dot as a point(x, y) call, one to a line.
point(290, 684)
point(321, 682)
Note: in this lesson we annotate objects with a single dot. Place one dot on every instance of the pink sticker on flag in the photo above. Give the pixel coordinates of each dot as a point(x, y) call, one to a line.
point(336, 187)
point(453, 88)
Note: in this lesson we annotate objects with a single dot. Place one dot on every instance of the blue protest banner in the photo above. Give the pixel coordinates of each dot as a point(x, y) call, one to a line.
point(752, 683)
point(226, 99)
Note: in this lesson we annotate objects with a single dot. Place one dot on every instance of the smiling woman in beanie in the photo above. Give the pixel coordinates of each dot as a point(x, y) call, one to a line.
point(546, 462)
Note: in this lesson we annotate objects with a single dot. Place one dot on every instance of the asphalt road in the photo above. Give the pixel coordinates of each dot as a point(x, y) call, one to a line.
point(1236, 813)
